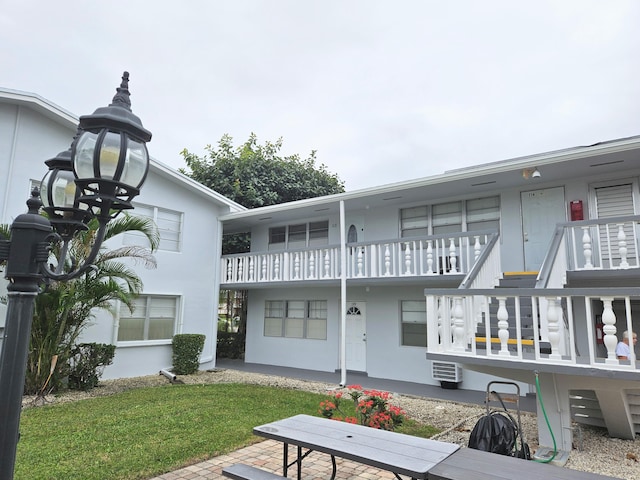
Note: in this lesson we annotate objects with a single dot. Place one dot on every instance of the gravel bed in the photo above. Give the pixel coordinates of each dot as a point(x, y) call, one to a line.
point(594, 451)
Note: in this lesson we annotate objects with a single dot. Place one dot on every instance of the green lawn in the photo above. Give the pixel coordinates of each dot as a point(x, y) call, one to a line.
point(145, 432)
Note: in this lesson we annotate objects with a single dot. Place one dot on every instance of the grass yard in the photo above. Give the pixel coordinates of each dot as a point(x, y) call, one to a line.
point(145, 432)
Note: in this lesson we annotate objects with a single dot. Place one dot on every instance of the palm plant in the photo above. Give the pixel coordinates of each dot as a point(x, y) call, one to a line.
point(64, 309)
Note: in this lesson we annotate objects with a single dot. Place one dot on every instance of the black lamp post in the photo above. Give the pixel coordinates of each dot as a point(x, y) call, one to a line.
point(97, 178)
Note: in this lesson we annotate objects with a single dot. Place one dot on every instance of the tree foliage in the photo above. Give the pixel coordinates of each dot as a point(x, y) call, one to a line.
point(256, 175)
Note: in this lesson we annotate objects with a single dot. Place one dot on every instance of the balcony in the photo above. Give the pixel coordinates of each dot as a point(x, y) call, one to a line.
point(415, 257)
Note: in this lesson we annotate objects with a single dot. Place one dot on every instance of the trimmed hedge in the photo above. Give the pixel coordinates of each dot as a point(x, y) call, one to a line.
point(187, 348)
point(87, 363)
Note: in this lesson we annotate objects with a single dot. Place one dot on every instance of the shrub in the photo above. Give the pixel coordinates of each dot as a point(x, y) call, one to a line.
point(187, 348)
point(230, 345)
point(87, 363)
point(372, 408)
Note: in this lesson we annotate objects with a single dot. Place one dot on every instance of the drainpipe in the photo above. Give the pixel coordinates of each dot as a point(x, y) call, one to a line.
point(211, 357)
point(12, 157)
point(343, 297)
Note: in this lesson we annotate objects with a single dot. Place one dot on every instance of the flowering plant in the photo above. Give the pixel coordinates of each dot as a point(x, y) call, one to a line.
point(372, 408)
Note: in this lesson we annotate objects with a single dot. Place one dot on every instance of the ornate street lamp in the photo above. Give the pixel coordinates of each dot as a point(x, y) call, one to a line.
point(96, 179)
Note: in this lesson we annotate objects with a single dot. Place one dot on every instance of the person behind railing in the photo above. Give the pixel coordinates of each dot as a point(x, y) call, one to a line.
point(623, 350)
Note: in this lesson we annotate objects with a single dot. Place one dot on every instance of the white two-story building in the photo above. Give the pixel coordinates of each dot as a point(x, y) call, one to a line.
point(526, 269)
point(180, 294)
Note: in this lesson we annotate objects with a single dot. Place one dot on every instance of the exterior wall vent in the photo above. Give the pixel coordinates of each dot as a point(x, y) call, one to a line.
point(446, 372)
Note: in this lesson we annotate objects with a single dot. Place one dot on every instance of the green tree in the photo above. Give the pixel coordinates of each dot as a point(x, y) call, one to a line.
point(64, 309)
point(256, 175)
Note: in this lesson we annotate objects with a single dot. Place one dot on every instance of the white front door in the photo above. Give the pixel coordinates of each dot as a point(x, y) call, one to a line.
point(541, 211)
point(356, 337)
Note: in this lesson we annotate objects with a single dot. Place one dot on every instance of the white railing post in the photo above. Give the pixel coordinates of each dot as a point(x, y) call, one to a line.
point(296, 266)
point(429, 257)
point(609, 329)
point(622, 246)
point(453, 261)
point(327, 264)
point(276, 268)
point(407, 259)
point(586, 248)
point(503, 325)
point(230, 270)
point(240, 269)
point(553, 327)
point(387, 260)
point(458, 326)
point(476, 248)
point(359, 261)
point(312, 264)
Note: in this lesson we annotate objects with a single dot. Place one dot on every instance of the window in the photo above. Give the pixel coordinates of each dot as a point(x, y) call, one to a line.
point(153, 318)
point(413, 320)
point(296, 319)
point(169, 225)
point(299, 235)
point(451, 217)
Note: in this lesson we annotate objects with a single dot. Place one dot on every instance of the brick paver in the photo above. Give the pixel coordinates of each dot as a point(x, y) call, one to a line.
point(268, 456)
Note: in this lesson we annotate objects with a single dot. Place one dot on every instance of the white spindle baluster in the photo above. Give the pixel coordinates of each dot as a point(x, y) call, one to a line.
point(276, 268)
point(240, 268)
point(553, 327)
point(586, 248)
point(453, 261)
point(312, 265)
point(407, 259)
point(327, 264)
point(387, 260)
point(458, 326)
point(609, 329)
point(622, 246)
point(229, 270)
point(296, 266)
point(503, 325)
point(476, 247)
point(429, 257)
point(360, 261)
point(251, 272)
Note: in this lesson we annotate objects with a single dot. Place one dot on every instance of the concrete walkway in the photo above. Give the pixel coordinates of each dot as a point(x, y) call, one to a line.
point(268, 454)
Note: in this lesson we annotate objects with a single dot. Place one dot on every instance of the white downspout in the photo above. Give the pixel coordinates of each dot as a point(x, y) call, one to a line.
point(211, 357)
point(12, 158)
point(343, 297)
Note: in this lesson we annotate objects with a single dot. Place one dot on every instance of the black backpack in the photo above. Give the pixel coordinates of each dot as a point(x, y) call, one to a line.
point(495, 433)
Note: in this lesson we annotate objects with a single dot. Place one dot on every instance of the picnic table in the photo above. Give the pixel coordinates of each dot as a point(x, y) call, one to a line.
point(395, 452)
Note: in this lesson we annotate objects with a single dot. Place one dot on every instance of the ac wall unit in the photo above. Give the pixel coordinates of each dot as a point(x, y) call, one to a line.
point(446, 372)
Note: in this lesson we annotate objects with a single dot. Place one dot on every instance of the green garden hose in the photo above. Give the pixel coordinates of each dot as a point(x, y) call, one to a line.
point(544, 412)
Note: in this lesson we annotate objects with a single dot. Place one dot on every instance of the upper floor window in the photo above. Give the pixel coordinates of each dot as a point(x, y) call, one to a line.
point(169, 223)
point(299, 235)
point(154, 317)
point(450, 217)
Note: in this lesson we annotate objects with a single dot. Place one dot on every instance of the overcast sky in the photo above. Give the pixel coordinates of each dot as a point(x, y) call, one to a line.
point(384, 91)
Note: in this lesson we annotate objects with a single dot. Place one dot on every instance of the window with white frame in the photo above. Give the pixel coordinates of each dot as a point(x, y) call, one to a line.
point(299, 235)
point(296, 319)
point(154, 317)
point(413, 323)
point(168, 222)
point(450, 217)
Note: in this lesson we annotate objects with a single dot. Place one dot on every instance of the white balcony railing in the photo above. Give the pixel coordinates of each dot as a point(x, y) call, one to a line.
point(453, 254)
point(608, 243)
point(555, 326)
